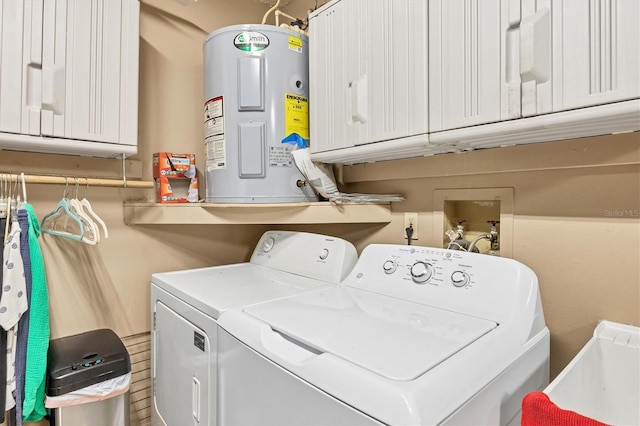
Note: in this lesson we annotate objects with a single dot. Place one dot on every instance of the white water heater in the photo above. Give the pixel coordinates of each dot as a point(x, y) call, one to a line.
point(256, 94)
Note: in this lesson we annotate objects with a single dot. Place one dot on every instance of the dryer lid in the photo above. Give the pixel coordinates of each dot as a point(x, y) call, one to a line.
point(396, 339)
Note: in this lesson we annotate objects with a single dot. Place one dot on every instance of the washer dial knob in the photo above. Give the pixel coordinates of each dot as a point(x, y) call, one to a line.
point(459, 279)
point(324, 253)
point(421, 272)
point(389, 267)
point(268, 244)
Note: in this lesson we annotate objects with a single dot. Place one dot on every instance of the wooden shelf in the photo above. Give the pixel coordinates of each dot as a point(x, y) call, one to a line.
point(142, 213)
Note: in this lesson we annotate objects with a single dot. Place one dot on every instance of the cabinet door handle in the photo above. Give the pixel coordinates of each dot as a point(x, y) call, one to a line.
point(53, 89)
point(359, 100)
point(535, 47)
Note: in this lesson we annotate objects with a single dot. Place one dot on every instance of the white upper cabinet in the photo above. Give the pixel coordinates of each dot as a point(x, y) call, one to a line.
point(497, 60)
point(78, 76)
point(565, 69)
point(473, 66)
point(596, 52)
point(368, 73)
point(401, 78)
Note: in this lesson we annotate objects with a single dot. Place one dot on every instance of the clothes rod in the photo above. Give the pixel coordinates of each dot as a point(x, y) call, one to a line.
point(60, 180)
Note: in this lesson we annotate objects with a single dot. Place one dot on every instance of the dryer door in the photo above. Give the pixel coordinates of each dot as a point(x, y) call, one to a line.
point(181, 360)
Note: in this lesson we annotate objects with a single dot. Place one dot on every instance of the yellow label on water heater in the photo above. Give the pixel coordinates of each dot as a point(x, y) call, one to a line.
point(296, 115)
point(295, 44)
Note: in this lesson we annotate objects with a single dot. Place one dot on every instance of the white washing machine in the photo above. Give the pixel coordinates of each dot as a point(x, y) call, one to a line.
point(413, 335)
point(186, 305)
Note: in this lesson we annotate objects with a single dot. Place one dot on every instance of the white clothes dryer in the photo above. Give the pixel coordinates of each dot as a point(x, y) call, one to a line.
point(186, 305)
point(414, 335)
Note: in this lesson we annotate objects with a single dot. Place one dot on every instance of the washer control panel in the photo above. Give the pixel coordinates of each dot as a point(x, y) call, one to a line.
point(455, 280)
point(431, 267)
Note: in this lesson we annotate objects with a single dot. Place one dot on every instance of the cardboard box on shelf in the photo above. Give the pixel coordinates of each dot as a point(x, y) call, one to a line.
point(176, 190)
point(174, 165)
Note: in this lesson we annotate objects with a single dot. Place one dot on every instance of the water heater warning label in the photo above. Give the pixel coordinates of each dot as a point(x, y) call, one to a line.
point(296, 115)
point(295, 44)
point(214, 138)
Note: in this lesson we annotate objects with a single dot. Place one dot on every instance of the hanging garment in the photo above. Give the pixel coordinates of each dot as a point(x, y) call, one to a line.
point(39, 331)
point(12, 304)
point(23, 324)
point(3, 333)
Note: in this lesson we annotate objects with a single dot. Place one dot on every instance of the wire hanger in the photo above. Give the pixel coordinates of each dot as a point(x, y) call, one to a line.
point(50, 222)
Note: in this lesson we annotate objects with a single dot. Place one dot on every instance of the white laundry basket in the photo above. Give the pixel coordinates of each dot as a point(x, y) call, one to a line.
point(603, 380)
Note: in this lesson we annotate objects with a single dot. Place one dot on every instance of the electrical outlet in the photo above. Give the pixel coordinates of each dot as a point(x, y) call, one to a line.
point(410, 220)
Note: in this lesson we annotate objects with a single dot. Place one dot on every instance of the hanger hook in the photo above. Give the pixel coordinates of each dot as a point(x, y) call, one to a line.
point(124, 169)
point(77, 186)
point(9, 192)
point(24, 187)
point(86, 181)
point(66, 187)
point(16, 188)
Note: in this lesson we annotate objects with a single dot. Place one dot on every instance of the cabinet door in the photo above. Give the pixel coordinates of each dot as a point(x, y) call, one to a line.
point(472, 50)
point(90, 70)
point(368, 73)
point(596, 51)
point(328, 79)
point(20, 61)
point(396, 43)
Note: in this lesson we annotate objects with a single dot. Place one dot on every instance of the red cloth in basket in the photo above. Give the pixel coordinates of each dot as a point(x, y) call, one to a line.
point(539, 410)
